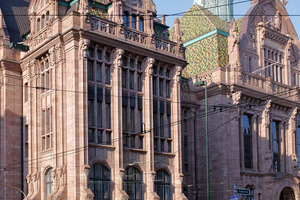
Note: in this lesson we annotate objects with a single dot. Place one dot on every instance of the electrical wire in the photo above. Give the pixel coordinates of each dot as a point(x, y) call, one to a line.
point(116, 139)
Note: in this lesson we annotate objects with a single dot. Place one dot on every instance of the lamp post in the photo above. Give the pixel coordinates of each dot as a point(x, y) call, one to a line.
point(204, 83)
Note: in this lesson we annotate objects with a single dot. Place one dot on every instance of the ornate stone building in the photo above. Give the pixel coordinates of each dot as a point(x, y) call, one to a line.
point(103, 87)
point(251, 67)
point(94, 105)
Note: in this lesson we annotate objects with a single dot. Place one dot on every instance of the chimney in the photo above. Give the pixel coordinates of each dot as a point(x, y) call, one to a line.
point(177, 37)
point(163, 20)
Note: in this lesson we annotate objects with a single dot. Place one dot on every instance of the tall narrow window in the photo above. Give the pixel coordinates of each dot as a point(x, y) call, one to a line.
point(108, 108)
point(99, 72)
point(99, 181)
point(133, 183)
point(26, 141)
point(133, 21)
point(154, 85)
point(91, 96)
point(131, 80)
point(247, 132)
point(107, 74)
point(163, 184)
point(25, 92)
point(161, 87)
point(168, 89)
point(139, 81)
point(185, 154)
point(47, 16)
point(99, 106)
point(49, 182)
point(38, 25)
point(276, 145)
point(141, 24)
point(124, 78)
point(43, 22)
point(90, 69)
point(126, 19)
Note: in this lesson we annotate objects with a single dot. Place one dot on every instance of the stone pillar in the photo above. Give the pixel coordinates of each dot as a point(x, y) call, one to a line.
point(116, 111)
point(148, 120)
point(265, 130)
point(177, 178)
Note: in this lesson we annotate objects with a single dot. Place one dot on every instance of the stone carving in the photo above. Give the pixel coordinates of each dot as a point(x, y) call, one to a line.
point(150, 62)
point(278, 20)
point(292, 122)
point(84, 44)
point(267, 114)
point(51, 56)
point(284, 2)
point(58, 51)
point(118, 57)
point(178, 74)
point(233, 45)
point(236, 97)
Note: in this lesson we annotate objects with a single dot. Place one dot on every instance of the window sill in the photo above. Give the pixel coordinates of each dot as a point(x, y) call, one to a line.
point(102, 146)
point(134, 149)
point(165, 154)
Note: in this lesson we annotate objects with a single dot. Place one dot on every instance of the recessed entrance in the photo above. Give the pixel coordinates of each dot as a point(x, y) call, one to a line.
point(287, 194)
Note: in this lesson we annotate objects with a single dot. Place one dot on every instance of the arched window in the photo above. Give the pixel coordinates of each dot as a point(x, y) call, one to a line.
point(47, 15)
point(133, 183)
point(133, 21)
point(38, 25)
point(43, 22)
point(100, 182)
point(49, 182)
point(126, 19)
point(163, 184)
point(141, 24)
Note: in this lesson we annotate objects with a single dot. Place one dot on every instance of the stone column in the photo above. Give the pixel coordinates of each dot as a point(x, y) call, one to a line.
point(148, 120)
point(177, 177)
point(265, 130)
point(116, 111)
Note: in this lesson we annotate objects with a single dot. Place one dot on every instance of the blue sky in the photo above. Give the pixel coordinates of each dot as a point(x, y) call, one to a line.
point(177, 6)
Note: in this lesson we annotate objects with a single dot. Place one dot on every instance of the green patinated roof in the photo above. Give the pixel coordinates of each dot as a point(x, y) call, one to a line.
point(161, 31)
point(205, 55)
point(211, 50)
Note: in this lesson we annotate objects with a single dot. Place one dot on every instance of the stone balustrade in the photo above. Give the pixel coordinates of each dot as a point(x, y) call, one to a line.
point(104, 26)
point(253, 80)
point(268, 85)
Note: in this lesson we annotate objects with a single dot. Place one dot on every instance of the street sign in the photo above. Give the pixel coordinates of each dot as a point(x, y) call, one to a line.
point(243, 191)
point(235, 197)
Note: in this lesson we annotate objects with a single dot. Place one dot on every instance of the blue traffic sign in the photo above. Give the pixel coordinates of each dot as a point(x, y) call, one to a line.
point(235, 197)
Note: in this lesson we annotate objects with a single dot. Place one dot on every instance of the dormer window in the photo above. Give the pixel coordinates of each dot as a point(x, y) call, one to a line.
point(126, 19)
point(133, 21)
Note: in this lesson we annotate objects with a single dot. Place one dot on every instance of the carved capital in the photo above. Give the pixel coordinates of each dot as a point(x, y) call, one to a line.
point(177, 76)
point(84, 45)
point(58, 53)
point(118, 57)
point(149, 66)
point(51, 56)
point(236, 97)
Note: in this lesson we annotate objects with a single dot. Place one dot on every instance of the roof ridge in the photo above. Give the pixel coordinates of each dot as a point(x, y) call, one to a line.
point(205, 16)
